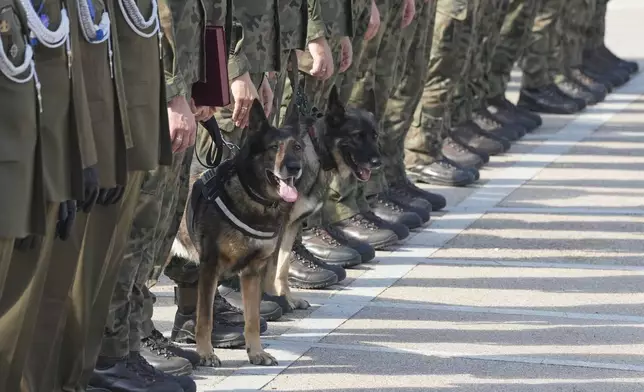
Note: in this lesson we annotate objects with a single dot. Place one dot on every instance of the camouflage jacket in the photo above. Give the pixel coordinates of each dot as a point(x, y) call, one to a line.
point(456, 9)
point(263, 29)
point(337, 15)
point(182, 23)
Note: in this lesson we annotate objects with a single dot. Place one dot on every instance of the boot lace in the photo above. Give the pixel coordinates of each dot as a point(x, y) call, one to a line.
point(225, 305)
point(381, 199)
point(141, 367)
point(457, 147)
point(305, 257)
point(364, 223)
point(159, 344)
point(326, 237)
point(486, 120)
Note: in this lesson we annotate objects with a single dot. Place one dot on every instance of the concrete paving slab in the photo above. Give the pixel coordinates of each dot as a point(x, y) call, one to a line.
point(478, 334)
point(585, 291)
point(567, 238)
point(339, 370)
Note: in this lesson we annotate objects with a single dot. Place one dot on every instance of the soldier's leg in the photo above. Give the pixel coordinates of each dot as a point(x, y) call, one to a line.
point(20, 299)
point(405, 98)
point(105, 241)
point(447, 63)
point(540, 58)
point(514, 35)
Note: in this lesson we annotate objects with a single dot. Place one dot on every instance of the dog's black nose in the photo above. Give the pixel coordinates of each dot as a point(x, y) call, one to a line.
point(292, 167)
point(375, 162)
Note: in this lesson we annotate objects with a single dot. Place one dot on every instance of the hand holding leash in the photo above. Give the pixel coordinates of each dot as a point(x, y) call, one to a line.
point(322, 58)
point(346, 54)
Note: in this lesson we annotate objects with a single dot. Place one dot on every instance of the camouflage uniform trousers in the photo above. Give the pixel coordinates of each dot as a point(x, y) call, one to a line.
point(152, 218)
point(404, 102)
point(490, 17)
point(541, 57)
point(576, 17)
point(514, 35)
point(342, 203)
point(444, 91)
point(596, 28)
point(376, 74)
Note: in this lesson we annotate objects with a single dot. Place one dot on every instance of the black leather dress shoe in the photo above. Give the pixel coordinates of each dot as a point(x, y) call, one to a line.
point(328, 249)
point(391, 213)
point(437, 201)
point(361, 229)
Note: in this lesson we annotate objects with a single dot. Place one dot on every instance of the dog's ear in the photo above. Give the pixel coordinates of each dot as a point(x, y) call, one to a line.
point(257, 120)
point(335, 110)
point(370, 102)
point(292, 115)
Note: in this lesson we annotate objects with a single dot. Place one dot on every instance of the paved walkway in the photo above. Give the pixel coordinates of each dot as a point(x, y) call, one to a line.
point(531, 281)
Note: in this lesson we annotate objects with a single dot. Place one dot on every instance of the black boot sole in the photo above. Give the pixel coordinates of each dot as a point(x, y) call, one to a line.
point(437, 181)
point(184, 371)
point(303, 284)
point(345, 263)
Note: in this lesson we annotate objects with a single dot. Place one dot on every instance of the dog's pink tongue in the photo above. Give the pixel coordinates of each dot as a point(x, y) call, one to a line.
point(287, 192)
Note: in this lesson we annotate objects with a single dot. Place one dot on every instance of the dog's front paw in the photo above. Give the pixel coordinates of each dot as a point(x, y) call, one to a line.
point(262, 358)
point(298, 303)
point(209, 360)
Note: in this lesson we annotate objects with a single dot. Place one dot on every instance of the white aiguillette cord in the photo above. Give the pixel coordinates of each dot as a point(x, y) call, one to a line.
point(94, 33)
point(49, 38)
point(138, 23)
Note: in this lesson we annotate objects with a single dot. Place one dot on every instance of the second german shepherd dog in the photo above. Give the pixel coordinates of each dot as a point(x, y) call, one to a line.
point(245, 215)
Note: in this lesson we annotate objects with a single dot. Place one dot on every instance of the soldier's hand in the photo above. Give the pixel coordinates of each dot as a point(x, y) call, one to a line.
point(66, 218)
point(266, 96)
point(91, 189)
point(346, 54)
point(183, 125)
point(374, 22)
point(409, 11)
point(322, 58)
point(244, 92)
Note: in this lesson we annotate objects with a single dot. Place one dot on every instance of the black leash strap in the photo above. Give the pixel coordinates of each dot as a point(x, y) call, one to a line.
point(216, 149)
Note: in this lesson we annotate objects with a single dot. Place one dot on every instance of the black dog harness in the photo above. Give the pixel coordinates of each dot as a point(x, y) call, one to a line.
point(211, 188)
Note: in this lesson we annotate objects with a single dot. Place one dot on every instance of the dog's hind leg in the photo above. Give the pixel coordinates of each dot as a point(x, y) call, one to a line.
point(251, 294)
point(208, 277)
point(280, 283)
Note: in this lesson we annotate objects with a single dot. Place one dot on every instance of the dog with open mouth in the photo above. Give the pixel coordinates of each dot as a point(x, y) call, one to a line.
point(234, 221)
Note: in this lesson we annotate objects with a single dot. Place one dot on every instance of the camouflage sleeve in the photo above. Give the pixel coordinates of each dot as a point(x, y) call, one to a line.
point(238, 63)
point(338, 17)
point(174, 82)
point(316, 26)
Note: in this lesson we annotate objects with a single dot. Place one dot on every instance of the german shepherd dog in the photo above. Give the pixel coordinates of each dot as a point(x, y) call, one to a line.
point(279, 178)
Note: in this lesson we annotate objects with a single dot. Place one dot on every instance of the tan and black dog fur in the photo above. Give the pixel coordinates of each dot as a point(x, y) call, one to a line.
point(344, 139)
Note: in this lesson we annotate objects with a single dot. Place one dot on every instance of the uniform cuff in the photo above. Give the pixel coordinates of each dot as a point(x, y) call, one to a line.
point(237, 66)
point(174, 87)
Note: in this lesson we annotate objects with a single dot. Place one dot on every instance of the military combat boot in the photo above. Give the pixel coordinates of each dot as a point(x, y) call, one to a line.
point(576, 91)
point(137, 363)
point(225, 334)
point(230, 291)
point(308, 272)
point(409, 203)
point(405, 186)
point(594, 65)
point(490, 124)
point(503, 108)
point(546, 100)
point(471, 135)
point(328, 249)
point(116, 375)
point(589, 83)
point(462, 155)
point(366, 251)
point(379, 236)
point(388, 211)
point(631, 66)
point(441, 172)
point(167, 357)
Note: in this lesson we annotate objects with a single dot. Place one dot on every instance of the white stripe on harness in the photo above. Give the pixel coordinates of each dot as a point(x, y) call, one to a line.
point(239, 223)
